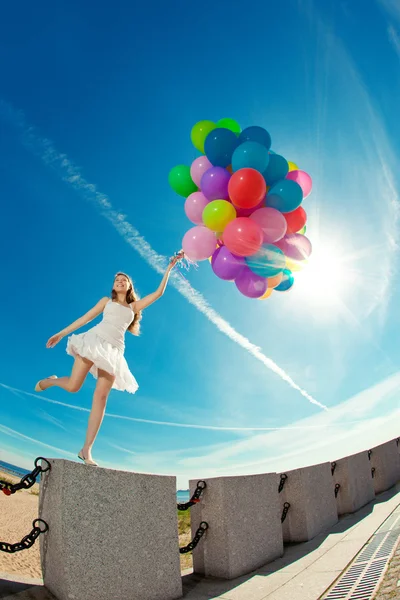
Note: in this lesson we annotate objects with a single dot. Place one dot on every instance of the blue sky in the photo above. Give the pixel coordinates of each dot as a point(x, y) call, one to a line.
point(96, 106)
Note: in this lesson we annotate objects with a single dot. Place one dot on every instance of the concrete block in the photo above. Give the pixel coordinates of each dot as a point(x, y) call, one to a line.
point(310, 491)
point(353, 474)
point(112, 534)
point(385, 462)
point(245, 533)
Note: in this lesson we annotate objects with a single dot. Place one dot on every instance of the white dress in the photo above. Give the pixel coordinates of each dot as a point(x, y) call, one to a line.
point(104, 345)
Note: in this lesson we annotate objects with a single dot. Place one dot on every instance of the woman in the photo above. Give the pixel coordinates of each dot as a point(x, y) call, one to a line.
point(100, 350)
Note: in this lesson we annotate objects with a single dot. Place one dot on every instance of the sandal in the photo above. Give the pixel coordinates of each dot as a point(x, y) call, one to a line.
point(37, 386)
point(87, 461)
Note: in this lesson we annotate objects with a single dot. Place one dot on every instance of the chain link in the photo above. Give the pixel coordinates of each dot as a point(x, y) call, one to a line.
point(199, 534)
point(282, 482)
point(373, 472)
point(337, 488)
point(333, 467)
point(195, 499)
point(285, 511)
point(369, 454)
point(28, 540)
point(27, 480)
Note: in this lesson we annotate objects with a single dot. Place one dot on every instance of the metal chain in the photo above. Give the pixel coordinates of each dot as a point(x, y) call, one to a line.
point(373, 472)
point(333, 467)
point(337, 488)
point(369, 454)
point(27, 481)
point(282, 482)
point(27, 541)
point(285, 511)
point(199, 534)
point(195, 499)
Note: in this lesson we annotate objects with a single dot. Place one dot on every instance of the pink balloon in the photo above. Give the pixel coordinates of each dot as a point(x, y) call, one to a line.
point(303, 179)
point(199, 243)
point(199, 166)
point(296, 246)
point(243, 237)
point(194, 206)
point(272, 223)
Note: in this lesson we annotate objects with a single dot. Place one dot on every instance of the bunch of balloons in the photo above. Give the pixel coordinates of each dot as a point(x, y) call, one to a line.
point(245, 202)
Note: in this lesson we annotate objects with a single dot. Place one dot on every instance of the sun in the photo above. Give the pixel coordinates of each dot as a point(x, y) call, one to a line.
point(324, 279)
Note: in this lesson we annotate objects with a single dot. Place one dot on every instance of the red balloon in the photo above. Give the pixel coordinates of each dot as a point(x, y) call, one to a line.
point(243, 236)
point(247, 188)
point(295, 220)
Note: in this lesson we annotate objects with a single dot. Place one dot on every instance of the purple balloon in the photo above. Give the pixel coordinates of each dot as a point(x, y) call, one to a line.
point(251, 285)
point(214, 183)
point(226, 265)
point(296, 246)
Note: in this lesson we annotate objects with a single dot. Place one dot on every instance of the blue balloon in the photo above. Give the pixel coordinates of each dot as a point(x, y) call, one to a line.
point(287, 281)
point(219, 146)
point(277, 169)
point(256, 134)
point(285, 196)
point(271, 151)
point(250, 155)
point(267, 262)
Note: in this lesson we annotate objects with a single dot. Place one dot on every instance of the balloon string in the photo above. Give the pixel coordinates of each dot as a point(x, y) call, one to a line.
point(186, 263)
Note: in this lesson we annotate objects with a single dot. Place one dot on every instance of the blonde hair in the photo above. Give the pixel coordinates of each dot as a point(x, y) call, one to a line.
point(131, 296)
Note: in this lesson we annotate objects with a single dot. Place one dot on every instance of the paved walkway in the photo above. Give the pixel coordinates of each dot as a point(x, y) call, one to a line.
point(305, 571)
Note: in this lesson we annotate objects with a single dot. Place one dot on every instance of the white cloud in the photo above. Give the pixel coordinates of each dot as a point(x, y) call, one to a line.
point(69, 172)
point(364, 421)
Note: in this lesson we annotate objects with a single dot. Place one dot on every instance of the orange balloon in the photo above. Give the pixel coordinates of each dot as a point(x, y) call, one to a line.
point(267, 294)
point(229, 168)
point(274, 281)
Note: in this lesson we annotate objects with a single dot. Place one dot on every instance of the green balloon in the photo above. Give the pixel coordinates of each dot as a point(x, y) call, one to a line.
point(230, 124)
point(303, 230)
point(181, 182)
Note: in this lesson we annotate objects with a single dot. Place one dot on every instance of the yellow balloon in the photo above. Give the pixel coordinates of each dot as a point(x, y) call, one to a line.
point(292, 166)
point(274, 281)
point(267, 294)
point(199, 133)
point(295, 265)
point(217, 214)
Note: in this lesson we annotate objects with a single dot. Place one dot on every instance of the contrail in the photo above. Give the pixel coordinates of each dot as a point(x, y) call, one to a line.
point(19, 392)
point(70, 173)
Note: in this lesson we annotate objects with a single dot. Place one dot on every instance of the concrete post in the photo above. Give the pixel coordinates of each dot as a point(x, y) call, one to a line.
point(244, 532)
point(310, 492)
point(385, 465)
point(112, 534)
point(353, 474)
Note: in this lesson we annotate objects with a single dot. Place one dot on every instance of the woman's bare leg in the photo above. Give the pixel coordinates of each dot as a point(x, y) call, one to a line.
point(74, 382)
point(100, 396)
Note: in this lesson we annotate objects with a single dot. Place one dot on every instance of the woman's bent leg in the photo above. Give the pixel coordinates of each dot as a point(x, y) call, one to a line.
point(74, 382)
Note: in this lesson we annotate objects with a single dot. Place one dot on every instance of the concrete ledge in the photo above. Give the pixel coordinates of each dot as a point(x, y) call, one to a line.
point(112, 534)
point(385, 463)
point(245, 529)
point(310, 492)
point(353, 474)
